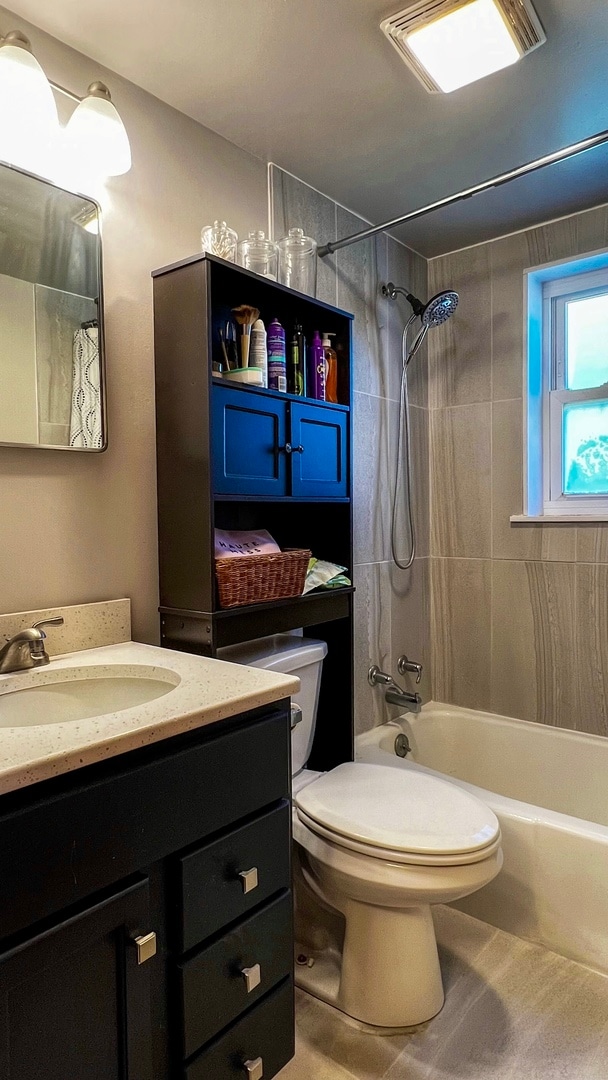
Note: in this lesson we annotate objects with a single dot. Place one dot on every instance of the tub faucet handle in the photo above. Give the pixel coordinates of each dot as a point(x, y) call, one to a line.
point(404, 666)
point(375, 677)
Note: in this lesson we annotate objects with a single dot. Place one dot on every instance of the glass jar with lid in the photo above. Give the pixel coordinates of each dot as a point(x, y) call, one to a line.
point(258, 254)
point(219, 240)
point(298, 262)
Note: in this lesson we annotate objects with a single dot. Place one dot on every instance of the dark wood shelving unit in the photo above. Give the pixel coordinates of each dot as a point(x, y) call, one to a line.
point(222, 463)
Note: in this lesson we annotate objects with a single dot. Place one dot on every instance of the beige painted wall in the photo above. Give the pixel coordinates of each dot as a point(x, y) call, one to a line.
point(519, 612)
point(79, 527)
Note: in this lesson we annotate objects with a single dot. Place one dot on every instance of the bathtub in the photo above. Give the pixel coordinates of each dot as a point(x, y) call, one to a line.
point(549, 789)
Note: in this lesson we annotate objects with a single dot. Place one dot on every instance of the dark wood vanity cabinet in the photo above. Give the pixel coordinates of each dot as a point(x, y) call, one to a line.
point(146, 912)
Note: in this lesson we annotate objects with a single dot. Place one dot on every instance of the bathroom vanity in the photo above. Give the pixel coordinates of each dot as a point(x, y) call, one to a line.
point(145, 908)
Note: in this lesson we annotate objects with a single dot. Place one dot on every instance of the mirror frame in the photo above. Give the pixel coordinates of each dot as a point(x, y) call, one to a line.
point(102, 351)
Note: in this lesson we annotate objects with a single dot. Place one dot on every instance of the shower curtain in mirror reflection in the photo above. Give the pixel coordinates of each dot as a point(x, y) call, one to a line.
point(85, 420)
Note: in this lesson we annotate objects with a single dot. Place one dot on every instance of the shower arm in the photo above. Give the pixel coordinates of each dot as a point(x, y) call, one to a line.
point(496, 181)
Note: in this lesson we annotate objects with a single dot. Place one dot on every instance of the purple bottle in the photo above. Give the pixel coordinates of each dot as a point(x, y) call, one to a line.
point(277, 364)
point(316, 368)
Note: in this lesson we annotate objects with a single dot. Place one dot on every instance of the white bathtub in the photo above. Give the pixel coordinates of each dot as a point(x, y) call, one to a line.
point(549, 789)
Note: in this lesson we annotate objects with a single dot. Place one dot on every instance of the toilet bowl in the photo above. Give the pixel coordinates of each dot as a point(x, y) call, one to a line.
point(375, 847)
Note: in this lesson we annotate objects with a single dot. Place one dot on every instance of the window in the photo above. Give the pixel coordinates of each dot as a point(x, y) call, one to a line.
point(567, 407)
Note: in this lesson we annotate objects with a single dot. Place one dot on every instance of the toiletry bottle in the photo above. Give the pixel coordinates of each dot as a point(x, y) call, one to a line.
point(295, 373)
point(277, 367)
point(259, 352)
point(316, 368)
point(331, 370)
point(302, 358)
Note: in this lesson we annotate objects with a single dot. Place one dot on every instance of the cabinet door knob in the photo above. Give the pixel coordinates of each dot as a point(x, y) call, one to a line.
point(249, 879)
point(254, 1068)
point(289, 449)
point(252, 976)
point(146, 947)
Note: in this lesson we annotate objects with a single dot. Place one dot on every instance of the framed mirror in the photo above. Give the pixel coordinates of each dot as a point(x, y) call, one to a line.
point(52, 377)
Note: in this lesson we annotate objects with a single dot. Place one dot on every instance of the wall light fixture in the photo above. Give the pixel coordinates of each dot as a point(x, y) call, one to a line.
point(30, 135)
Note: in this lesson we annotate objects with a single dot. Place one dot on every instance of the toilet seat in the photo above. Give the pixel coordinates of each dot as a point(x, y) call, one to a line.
point(398, 816)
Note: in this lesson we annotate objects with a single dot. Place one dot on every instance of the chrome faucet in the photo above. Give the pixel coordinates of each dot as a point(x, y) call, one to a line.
point(26, 649)
point(395, 694)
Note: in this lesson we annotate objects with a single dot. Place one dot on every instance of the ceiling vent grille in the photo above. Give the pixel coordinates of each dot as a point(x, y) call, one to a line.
point(519, 15)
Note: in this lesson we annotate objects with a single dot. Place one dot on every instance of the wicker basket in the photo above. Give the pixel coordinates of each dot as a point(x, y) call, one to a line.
point(252, 579)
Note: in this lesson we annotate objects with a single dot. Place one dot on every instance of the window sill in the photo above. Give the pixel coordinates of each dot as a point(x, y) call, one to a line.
point(555, 519)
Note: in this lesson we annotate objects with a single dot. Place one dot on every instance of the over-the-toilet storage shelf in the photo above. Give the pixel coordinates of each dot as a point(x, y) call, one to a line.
point(221, 463)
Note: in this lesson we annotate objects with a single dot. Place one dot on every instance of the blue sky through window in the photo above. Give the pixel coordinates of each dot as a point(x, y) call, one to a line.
point(587, 342)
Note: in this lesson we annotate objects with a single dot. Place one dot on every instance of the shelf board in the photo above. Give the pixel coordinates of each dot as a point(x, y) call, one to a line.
point(249, 388)
point(230, 626)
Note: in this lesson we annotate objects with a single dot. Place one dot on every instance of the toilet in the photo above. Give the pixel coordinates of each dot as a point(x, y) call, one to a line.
point(375, 848)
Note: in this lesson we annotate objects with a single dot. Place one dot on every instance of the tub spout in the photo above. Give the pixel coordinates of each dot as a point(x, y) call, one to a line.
point(406, 701)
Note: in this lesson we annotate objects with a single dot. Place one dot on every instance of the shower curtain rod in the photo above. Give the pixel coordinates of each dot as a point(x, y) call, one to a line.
point(449, 200)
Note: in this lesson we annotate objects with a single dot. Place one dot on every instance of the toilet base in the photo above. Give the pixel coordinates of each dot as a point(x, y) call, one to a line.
point(321, 979)
point(387, 976)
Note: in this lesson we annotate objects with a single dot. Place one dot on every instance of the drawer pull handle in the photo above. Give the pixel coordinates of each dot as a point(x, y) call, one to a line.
point(146, 947)
point(249, 879)
point(289, 449)
point(252, 976)
point(254, 1069)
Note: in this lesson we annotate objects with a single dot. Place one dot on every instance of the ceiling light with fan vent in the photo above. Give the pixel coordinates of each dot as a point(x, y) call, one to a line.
point(450, 43)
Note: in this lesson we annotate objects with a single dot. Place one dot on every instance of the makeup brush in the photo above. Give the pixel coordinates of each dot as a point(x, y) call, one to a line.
point(245, 317)
point(223, 344)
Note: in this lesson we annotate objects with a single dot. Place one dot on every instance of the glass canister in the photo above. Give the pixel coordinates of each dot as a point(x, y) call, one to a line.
point(298, 262)
point(258, 254)
point(219, 240)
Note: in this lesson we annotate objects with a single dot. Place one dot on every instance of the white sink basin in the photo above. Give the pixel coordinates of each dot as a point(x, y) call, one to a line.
point(72, 694)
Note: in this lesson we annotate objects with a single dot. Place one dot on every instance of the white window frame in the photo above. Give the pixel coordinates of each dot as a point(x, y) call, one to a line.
point(547, 290)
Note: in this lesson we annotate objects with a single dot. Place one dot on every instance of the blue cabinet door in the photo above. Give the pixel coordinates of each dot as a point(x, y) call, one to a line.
point(319, 469)
point(248, 441)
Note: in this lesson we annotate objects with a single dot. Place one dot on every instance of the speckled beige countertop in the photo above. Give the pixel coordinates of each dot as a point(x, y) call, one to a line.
point(204, 691)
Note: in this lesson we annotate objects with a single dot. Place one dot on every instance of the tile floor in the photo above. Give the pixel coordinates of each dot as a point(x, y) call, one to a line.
point(513, 1011)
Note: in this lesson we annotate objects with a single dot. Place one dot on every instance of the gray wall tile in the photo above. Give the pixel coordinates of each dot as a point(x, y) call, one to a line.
point(592, 648)
point(592, 543)
point(554, 542)
point(410, 622)
point(360, 270)
point(373, 603)
point(461, 631)
point(461, 481)
point(419, 443)
point(408, 270)
point(508, 258)
point(372, 478)
point(296, 205)
point(534, 649)
point(460, 350)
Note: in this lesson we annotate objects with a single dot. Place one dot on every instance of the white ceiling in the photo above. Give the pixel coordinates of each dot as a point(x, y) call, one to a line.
point(314, 86)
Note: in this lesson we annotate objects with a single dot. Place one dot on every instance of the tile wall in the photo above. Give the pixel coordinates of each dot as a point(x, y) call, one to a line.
point(391, 606)
point(519, 612)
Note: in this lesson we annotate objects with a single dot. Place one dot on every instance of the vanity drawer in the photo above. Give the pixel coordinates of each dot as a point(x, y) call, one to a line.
point(218, 881)
point(266, 1032)
point(227, 977)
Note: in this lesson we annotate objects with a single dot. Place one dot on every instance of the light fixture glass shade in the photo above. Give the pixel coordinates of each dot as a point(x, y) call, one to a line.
point(464, 45)
point(28, 113)
point(95, 135)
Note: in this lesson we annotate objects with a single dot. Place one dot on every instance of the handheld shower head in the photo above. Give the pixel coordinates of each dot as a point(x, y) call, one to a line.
point(434, 312)
point(439, 308)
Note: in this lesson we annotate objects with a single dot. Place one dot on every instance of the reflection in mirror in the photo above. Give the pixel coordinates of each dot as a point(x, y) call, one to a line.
point(51, 333)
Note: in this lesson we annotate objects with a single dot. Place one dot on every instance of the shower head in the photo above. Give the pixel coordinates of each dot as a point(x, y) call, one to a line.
point(434, 312)
point(439, 308)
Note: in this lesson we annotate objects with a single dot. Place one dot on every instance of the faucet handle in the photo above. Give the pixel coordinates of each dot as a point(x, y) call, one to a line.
point(375, 676)
point(404, 666)
point(57, 621)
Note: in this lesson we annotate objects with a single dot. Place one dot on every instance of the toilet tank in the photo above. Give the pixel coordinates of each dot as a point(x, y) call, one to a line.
point(291, 655)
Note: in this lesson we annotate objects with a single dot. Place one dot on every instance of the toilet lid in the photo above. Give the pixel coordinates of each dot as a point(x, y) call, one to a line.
point(399, 810)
